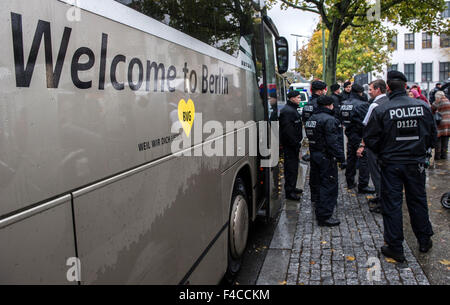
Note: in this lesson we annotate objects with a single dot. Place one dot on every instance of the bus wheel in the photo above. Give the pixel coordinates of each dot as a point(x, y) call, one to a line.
point(238, 228)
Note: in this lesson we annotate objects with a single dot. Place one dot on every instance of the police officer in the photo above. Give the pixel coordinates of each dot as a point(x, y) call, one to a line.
point(337, 102)
point(347, 90)
point(322, 132)
point(318, 89)
point(291, 137)
point(353, 112)
point(400, 132)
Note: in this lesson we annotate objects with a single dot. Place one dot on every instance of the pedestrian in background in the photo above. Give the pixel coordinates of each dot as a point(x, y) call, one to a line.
point(291, 137)
point(322, 132)
point(433, 92)
point(442, 105)
point(400, 132)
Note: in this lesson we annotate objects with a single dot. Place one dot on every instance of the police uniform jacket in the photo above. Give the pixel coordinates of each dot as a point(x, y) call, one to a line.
point(345, 95)
point(401, 130)
point(290, 126)
point(337, 102)
point(310, 107)
point(353, 112)
point(322, 132)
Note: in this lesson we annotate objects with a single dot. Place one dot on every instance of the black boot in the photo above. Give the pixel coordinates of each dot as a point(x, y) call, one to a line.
point(388, 252)
point(366, 190)
point(425, 247)
point(293, 196)
point(298, 191)
point(330, 222)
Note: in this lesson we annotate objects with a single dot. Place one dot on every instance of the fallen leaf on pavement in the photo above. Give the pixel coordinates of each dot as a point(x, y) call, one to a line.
point(445, 262)
point(323, 243)
point(390, 260)
point(312, 262)
point(283, 283)
point(350, 258)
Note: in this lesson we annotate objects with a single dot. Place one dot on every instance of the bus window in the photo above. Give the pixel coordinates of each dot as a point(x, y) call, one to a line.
point(218, 23)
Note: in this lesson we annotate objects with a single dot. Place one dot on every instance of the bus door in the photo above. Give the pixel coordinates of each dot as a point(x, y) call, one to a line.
point(273, 95)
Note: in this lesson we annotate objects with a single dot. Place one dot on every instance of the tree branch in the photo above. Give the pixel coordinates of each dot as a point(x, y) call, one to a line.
point(300, 7)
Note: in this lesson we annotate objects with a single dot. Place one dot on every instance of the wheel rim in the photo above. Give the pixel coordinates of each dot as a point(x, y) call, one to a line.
point(238, 227)
point(445, 201)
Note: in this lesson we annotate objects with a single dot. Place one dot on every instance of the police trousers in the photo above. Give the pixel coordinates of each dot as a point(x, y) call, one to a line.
point(374, 169)
point(412, 177)
point(328, 184)
point(291, 161)
point(350, 172)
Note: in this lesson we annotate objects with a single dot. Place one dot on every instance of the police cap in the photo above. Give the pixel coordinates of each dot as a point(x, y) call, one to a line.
point(346, 84)
point(293, 93)
point(318, 85)
point(325, 100)
point(357, 88)
point(396, 75)
point(334, 87)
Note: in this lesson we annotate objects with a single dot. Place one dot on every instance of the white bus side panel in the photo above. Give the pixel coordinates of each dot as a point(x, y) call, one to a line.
point(36, 250)
point(57, 139)
point(152, 226)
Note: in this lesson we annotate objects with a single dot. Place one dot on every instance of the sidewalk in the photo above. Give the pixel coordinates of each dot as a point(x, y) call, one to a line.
point(302, 253)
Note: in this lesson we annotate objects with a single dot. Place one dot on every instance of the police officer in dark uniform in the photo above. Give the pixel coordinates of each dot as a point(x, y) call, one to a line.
point(337, 103)
point(318, 89)
point(322, 132)
point(400, 132)
point(347, 90)
point(353, 112)
point(291, 137)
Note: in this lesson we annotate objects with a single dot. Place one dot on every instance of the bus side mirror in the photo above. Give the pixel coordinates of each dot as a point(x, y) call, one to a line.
point(282, 50)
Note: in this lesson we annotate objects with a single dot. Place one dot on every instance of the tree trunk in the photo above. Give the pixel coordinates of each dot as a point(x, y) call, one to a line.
point(332, 53)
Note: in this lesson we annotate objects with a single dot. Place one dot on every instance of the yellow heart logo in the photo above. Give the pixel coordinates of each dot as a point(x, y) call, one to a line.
point(186, 115)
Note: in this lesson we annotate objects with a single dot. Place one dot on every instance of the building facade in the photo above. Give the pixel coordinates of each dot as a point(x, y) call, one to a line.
point(424, 58)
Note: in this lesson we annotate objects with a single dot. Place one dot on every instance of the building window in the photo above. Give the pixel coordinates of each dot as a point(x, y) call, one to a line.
point(394, 42)
point(446, 13)
point(410, 72)
point(445, 41)
point(409, 41)
point(392, 68)
point(427, 72)
point(427, 39)
point(444, 71)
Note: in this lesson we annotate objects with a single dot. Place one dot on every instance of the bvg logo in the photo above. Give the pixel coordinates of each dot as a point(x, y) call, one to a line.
point(186, 115)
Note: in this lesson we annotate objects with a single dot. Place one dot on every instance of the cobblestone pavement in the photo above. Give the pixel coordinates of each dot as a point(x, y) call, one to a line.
point(342, 255)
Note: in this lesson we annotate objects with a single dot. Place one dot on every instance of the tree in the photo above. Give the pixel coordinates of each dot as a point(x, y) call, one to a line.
point(339, 15)
point(360, 52)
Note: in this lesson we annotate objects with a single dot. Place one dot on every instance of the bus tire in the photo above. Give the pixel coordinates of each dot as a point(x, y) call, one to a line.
point(238, 228)
point(445, 200)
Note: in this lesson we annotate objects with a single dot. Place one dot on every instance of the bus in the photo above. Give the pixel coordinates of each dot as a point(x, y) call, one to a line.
point(91, 190)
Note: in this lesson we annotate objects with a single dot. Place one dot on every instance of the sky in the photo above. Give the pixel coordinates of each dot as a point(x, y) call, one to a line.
point(293, 21)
